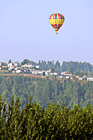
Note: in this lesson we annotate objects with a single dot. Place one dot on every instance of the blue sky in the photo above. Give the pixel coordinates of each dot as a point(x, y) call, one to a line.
point(25, 31)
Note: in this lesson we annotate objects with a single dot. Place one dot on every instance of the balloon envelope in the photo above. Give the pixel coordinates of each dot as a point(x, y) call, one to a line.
point(56, 20)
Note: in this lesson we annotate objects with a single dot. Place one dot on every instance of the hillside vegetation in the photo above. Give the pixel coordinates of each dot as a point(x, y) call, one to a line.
point(47, 90)
point(71, 66)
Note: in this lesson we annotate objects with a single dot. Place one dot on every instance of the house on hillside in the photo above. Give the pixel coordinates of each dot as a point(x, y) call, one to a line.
point(37, 72)
point(37, 66)
point(89, 78)
point(19, 71)
point(47, 72)
point(84, 77)
point(29, 65)
point(66, 75)
point(10, 64)
point(16, 64)
point(55, 73)
point(78, 77)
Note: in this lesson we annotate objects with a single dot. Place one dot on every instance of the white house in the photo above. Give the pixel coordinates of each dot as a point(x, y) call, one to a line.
point(78, 77)
point(89, 78)
point(55, 73)
point(16, 64)
point(18, 71)
point(47, 73)
point(28, 65)
point(24, 66)
point(66, 73)
point(36, 72)
point(59, 76)
point(10, 68)
point(37, 66)
point(10, 64)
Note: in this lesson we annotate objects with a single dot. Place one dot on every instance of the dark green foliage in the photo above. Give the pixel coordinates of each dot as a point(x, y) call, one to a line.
point(45, 91)
point(25, 61)
point(52, 70)
point(78, 68)
point(55, 122)
point(10, 61)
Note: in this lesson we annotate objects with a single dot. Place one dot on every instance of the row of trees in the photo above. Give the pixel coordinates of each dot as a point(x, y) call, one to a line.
point(72, 67)
point(46, 90)
point(34, 122)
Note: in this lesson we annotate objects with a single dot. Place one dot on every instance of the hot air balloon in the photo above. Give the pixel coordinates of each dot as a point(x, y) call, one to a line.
point(56, 20)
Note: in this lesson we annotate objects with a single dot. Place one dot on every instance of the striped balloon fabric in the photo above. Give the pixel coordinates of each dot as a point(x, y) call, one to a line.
point(56, 20)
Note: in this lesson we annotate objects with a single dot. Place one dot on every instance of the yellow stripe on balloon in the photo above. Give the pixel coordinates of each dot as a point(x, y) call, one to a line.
point(56, 21)
point(56, 29)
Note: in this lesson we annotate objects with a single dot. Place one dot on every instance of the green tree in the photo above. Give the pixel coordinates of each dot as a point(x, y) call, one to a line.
point(10, 61)
point(52, 70)
point(71, 69)
point(25, 61)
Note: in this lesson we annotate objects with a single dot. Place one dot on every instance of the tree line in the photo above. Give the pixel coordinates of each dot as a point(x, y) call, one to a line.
point(47, 90)
point(34, 122)
point(72, 67)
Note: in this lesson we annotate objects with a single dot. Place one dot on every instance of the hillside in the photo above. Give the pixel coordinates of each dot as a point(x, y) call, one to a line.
point(46, 90)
